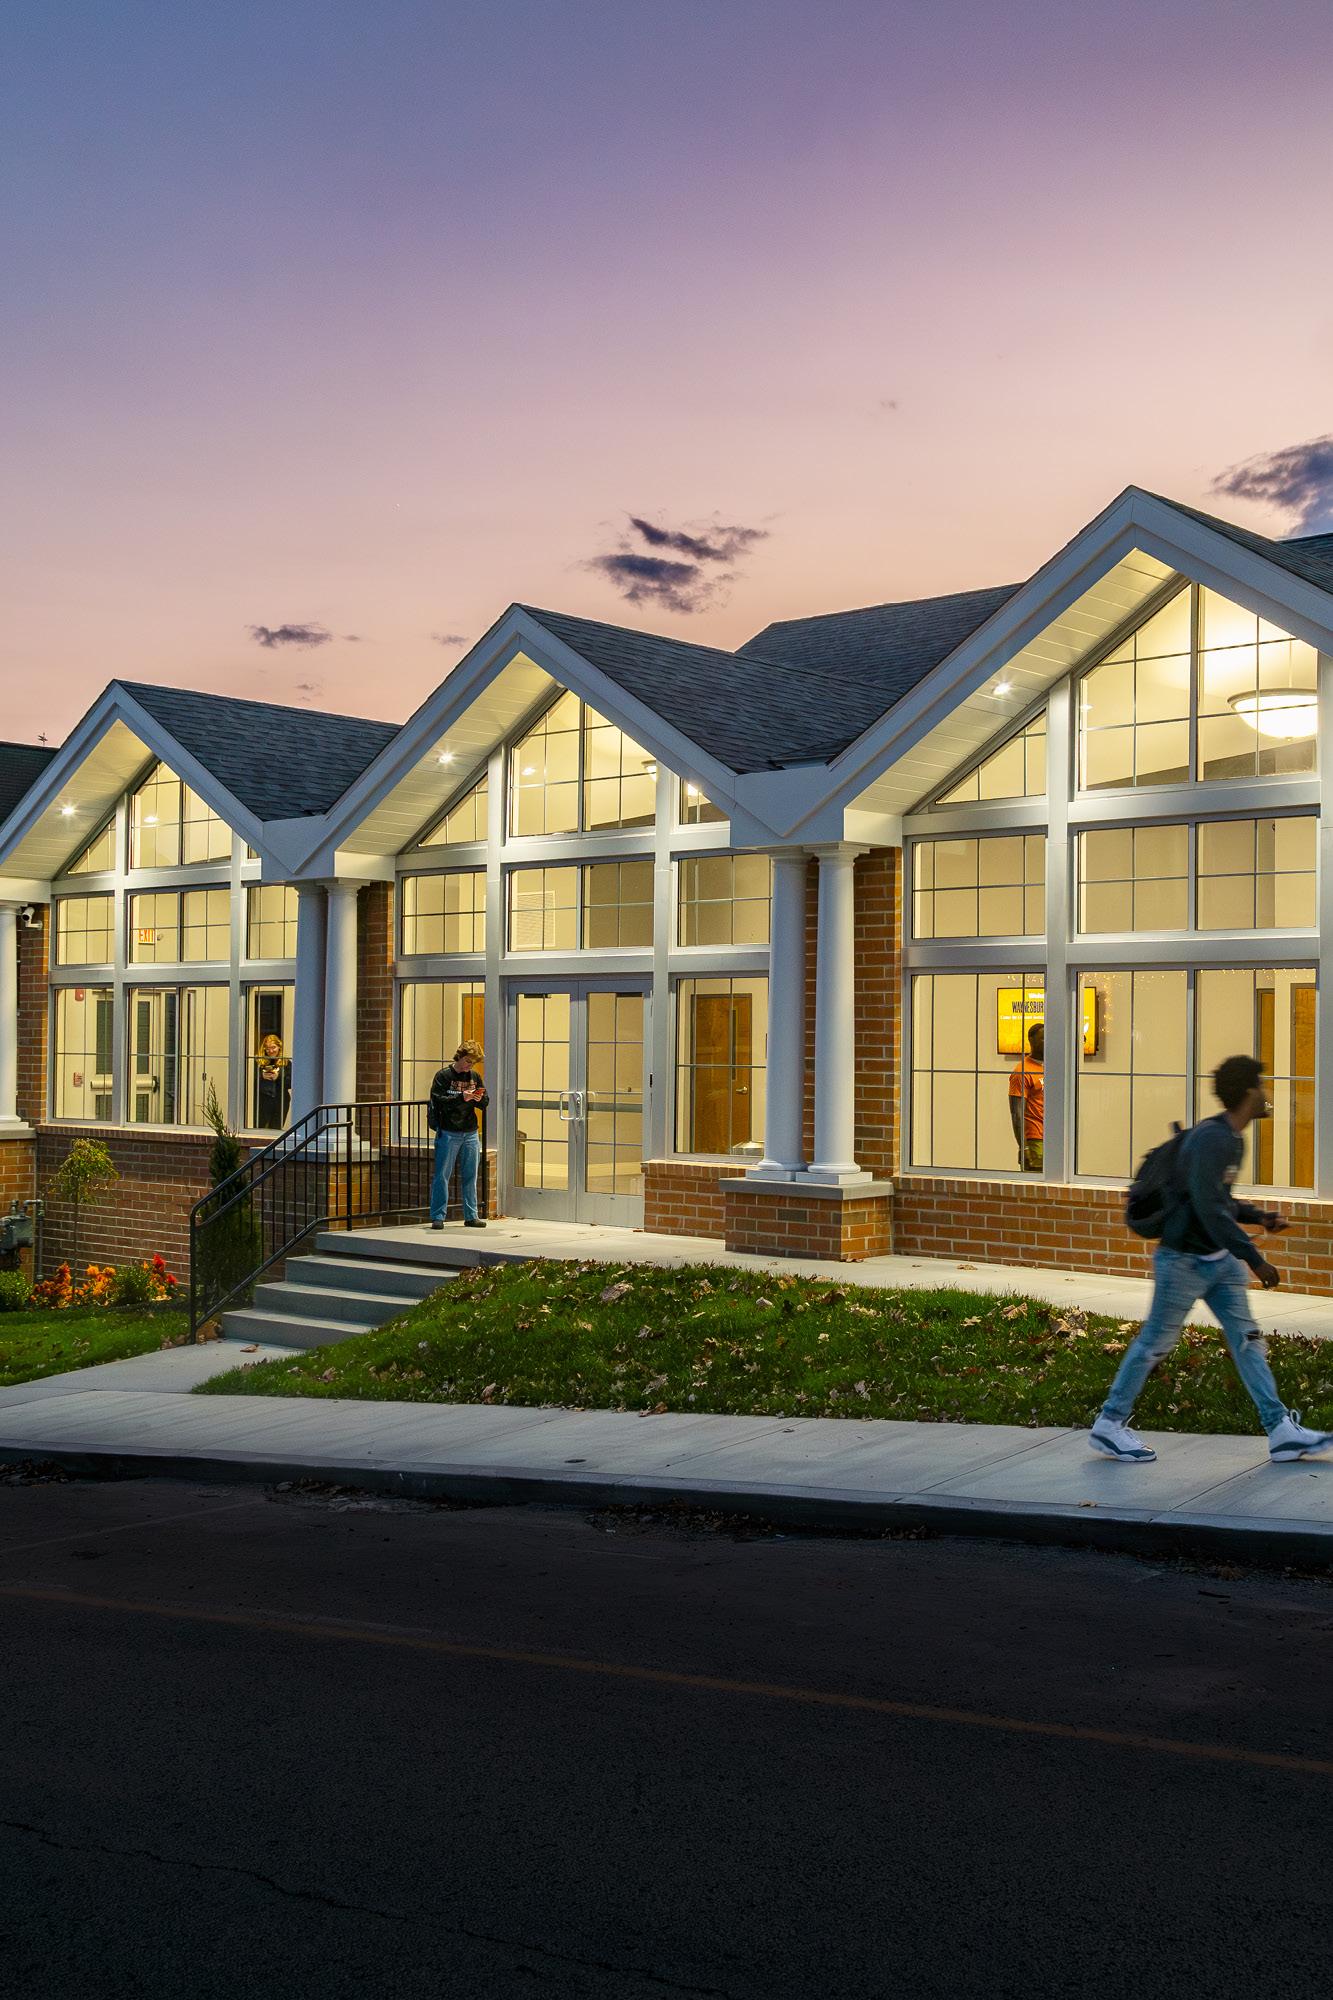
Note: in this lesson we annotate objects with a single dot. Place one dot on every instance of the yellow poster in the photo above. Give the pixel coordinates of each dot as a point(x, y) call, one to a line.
point(1018, 1008)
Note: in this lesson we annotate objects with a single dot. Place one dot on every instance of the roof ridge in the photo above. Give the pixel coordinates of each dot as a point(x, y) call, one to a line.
point(250, 701)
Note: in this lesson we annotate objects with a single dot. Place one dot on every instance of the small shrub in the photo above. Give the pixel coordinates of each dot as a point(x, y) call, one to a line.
point(15, 1292)
point(144, 1284)
point(54, 1292)
point(82, 1177)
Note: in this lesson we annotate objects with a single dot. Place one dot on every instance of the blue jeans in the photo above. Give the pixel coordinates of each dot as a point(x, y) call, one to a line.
point(464, 1147)
point(1223, 1285)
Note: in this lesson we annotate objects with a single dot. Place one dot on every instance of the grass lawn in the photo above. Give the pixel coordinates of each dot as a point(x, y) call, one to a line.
point(598, 1336)
point(33, 1344)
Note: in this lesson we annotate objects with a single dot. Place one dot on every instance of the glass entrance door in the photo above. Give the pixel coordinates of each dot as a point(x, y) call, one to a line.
point(577, 1126)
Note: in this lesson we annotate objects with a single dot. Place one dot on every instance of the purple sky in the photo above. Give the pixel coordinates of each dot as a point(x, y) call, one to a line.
point(376, 318)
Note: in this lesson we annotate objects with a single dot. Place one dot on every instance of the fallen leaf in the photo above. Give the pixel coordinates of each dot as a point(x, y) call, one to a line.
point(614, 1292)
point(253, 1348)
point(488, 1392)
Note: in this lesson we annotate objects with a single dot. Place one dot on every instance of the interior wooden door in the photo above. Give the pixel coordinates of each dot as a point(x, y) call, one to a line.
point(1263, 1127)
point(1302, 1085)
point(723, 1044)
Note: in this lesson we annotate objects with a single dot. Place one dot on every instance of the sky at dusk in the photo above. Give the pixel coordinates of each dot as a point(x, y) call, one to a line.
point(368, 319)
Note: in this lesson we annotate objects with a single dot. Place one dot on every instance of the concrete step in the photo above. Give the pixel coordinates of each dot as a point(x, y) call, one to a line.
point(449, 1246)
point(369, 1274)
point(364, 1309)
point(280, 1329)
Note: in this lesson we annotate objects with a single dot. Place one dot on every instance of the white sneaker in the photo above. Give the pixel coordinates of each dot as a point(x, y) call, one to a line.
point(1290, 1439)
point(1115, 1440)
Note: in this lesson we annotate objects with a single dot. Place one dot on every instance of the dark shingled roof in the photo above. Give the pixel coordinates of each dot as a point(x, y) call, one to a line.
point(281, 763)
point(1308, 556)
point(21, 765)
point(799, 692)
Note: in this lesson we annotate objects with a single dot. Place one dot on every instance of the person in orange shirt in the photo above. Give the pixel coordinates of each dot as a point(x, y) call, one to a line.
point(1027, 1102)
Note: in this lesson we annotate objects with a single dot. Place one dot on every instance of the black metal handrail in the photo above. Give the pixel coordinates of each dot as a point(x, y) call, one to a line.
point(340, 1164)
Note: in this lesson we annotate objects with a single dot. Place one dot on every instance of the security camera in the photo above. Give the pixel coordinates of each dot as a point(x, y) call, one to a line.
point(28, 916)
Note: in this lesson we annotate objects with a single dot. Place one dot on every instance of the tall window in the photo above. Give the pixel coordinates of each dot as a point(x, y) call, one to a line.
point(178, 1042)
point(270, 1012)
point(721, 1058)
point(434, 1016)
point(85, 930)
point(1133, 1079)
point(171, 825)
point(1257, 874)
point(81, 1053)
point(270, 920)
point(989, 887)
point(444, 912)
point(1201, 689)
point(1133, 879)
point(725, 899)
point(574, 772)
point(175, 927)
point(972, 1053)
point(464, 822)
point(1017, 770)
point(618, 906)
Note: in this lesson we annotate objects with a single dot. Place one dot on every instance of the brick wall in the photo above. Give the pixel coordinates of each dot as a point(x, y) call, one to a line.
point(162, 1175)
point(33, 1015)
point(1063, 1227)
point(769, 1222)
point(374, 993)
point(683, 1197)
point(878, 931)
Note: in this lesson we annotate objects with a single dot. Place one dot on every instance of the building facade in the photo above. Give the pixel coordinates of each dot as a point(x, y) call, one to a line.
point(911, 927)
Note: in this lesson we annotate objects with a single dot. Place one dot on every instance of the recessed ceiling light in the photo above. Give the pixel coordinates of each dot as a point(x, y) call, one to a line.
point(67, 812)
point(1003, 687)
point(150, 819)
point(445, 757)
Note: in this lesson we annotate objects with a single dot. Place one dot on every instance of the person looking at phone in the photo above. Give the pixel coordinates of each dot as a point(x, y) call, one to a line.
point(456, 1095)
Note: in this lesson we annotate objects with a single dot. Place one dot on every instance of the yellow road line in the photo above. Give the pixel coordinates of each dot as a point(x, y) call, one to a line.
point(906, 1711)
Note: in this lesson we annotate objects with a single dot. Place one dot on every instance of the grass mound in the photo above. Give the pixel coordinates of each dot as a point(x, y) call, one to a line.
point(702, 1338)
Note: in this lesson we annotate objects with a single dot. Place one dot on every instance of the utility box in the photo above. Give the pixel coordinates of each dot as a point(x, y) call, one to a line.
point(16, 1231)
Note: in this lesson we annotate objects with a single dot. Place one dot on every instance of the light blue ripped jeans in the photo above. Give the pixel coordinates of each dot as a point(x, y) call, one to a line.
point(1223, 1284)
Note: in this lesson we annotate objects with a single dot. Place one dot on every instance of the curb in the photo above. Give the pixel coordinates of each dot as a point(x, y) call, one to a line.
point(817, 1509)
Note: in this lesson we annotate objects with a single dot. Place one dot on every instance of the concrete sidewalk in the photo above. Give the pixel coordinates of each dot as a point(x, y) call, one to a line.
point(1204, 1494)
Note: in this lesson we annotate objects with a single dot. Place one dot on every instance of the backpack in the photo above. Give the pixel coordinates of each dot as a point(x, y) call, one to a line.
point(1149, 1199)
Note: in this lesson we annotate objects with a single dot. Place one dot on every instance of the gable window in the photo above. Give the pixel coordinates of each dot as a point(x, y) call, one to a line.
point(575, 772)
point(170, 825)
point(975, 888)
point(442, 913)
point(1201, 690)
point(85, 930)
point(99, 855)
point(693, 809)
point(1017, 770)
point(464, 822)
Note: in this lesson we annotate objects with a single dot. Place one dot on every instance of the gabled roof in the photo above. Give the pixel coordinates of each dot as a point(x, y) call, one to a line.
point(281, 763)
point(21, 764)
point(799, 692)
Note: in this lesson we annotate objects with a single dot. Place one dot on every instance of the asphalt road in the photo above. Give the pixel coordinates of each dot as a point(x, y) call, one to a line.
point(261, 1744)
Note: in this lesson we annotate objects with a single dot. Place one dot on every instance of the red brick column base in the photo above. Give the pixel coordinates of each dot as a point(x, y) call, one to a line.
point(684, 1197)
point(803, 1219)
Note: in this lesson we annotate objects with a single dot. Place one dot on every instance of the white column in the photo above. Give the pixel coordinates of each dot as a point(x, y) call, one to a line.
point(9, 1018)
point(340, 996)
point(787, 1068)
point(835, 1023)
point(308, 1025)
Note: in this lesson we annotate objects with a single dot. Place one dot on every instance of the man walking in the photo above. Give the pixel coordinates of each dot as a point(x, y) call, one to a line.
point(1202, 1255)
point(1027, 1101)
point(451, 1114)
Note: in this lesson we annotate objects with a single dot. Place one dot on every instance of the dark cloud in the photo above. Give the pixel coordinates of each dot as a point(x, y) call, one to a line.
point(309, 690)
point(290, 635)
point(1297, 480)
point(888, 402)
point(353, 638)
point(449, 638)
point(712, 553)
